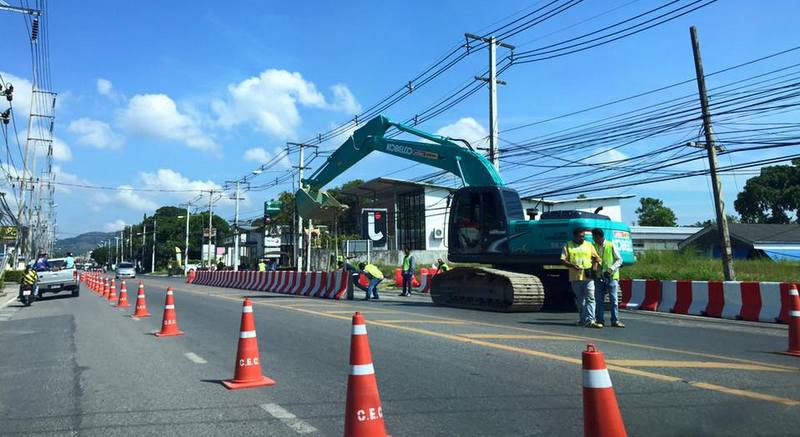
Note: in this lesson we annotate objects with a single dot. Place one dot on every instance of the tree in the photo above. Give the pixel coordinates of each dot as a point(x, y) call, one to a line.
point(652, 212)
point(701, 224)
point(771, 197)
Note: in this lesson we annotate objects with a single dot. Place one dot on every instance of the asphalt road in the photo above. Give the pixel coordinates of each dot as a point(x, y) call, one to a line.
point(76, 366)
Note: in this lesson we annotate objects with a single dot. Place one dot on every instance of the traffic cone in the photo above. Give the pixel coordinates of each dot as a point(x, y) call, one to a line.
point(123, 296)
point(169, 323)
point(106, 288)
point(363, 411)
point(141, 304)
point(601, 415)
point(112, 294)
point(248, 363)
point(794, 322)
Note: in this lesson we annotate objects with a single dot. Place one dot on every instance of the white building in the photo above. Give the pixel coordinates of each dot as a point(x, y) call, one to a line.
point(610, 205)
point(660, 237)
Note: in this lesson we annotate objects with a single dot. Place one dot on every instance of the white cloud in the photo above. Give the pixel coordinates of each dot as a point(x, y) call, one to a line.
point(609, 156)
point(256, 154)
point(104, 88)
point(270, 101)
point(344, 100)
point(95, 133)
point(21, 96)
point(466, 129)
point(116, 225)
point(129, 197)
point(156, 116)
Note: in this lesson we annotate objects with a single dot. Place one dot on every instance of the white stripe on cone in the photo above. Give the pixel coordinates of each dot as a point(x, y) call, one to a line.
point(247, 334)
point(359, 329)
point(362, 369)
point(596, 378)
point(794, 313)
point(247, 309)
point(169, 307)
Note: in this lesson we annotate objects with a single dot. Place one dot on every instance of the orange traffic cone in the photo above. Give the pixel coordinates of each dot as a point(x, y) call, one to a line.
point(794, 323)
point(106, 288)
point(123, 296)
point(169, 323)
point(112, 295)
point(363, 411)
point(141, 304)
point(248, 363)
point(601, 415)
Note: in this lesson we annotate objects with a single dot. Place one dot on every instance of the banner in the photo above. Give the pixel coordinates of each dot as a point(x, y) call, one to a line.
point(374, 227)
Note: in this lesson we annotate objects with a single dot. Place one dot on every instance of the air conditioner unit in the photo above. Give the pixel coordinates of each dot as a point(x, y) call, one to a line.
point(438, 233)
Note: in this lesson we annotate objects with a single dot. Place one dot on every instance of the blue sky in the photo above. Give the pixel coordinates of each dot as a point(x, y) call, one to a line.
point(186, 95)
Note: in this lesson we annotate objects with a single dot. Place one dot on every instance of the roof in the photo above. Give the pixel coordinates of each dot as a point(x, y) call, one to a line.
point(387, 185)
point(663, 232)
point(583, 199)
point(754, 233)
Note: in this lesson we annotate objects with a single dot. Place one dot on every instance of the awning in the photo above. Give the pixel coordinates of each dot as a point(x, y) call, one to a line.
point(780, 252)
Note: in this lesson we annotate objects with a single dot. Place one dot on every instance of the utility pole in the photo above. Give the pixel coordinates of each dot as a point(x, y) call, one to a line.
point(144, 232)
point(300, 240)
point(722, 221)
point(122, 247)
point(236, 226)
point(116, 250)
point(210, 215)
point(186, 243)
point(494, 147)
point(153, 255)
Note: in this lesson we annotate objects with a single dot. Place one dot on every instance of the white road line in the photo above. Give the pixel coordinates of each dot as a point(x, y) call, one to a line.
point(194, 357)
point(289, 419)
point(11, 298)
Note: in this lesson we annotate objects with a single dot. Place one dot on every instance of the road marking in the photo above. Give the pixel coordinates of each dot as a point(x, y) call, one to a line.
point(288, 419)
point(676, 364)
point(11, 298)
point(194, 357)
point(367, 311)
point(434, 322)
point(551, 356)
point(519, 337)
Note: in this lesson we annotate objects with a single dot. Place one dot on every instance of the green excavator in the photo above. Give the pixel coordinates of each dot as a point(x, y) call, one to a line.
point(486, 223)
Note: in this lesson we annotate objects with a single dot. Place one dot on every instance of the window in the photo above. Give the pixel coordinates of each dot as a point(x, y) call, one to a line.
point(411, 220)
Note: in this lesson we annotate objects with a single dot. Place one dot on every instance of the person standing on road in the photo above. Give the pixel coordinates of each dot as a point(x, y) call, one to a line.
point(581, 259)
point(375, 276)
point(262, 266)
point(408, 272)
point(607, 281)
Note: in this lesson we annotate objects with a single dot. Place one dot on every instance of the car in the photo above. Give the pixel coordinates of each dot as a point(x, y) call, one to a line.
point(58, 278)
point(125, 270)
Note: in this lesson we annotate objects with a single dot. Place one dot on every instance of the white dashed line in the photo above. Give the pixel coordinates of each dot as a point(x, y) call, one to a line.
point(288, 418)
point(195, 358)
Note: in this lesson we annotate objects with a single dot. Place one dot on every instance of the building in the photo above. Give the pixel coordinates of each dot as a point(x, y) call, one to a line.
point(778, 242)
point(660, 237)
point(608, 205)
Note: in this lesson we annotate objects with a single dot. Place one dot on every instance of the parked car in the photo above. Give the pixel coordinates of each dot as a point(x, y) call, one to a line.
point(58, 278)
point(125, 270)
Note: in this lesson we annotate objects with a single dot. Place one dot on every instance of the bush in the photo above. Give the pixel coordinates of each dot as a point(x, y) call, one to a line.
point(12, 275)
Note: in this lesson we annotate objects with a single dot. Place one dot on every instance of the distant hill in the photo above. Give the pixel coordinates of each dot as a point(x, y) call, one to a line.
point(82, 243)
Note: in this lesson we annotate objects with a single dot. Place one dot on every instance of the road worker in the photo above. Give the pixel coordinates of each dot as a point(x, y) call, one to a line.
point(408, 272)
point(375, 276)
point(582, 259)
point(442, 266)
point(262, 266)
point(607, 281)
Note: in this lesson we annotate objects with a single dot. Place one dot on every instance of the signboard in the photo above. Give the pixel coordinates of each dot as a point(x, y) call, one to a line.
point(204, 252)
point(8, 233)
point(272, 242)
point(374, 227)
point(213, 232)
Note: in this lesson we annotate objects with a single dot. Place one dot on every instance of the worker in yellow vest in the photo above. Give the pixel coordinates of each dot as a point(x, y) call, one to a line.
point(375, 276)
point(607, 281)
point(582, 260)
point(408, 272)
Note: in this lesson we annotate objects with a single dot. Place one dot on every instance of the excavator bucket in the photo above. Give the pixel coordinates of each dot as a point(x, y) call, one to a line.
point(317, 206)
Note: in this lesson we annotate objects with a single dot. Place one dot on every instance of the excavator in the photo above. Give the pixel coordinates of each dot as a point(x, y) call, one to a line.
point(486, 223)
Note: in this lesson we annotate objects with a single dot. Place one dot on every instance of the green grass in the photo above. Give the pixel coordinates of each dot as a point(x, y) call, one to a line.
point(686, 265)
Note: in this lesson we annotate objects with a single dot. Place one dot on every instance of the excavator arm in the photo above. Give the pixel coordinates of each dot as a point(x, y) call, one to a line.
point(440, 152)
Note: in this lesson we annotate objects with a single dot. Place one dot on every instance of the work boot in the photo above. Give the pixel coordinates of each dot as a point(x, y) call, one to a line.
point(594, 325)
point(617, 324)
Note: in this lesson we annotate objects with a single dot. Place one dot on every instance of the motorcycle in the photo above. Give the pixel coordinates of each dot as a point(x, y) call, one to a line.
point(28, 295)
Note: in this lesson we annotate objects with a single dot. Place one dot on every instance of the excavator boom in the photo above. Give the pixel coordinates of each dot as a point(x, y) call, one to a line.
point(438, 151)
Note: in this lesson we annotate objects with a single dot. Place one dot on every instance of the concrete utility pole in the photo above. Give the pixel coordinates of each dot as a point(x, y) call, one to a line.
point(494, 146)
point(236, 256)
point(186, 243)
point(300, 168)
point(153, 255)
point(116, 250)
point(210, 215)
point(122, 247)
point(722, 221)
point(144, 233)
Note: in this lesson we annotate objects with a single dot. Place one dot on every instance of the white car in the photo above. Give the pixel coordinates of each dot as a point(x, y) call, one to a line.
point(125, 270)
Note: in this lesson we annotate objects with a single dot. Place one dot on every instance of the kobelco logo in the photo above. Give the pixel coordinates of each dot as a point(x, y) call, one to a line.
point(405, 150)
point(362, 415)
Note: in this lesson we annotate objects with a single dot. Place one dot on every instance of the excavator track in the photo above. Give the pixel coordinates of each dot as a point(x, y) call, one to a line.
point(488, 289)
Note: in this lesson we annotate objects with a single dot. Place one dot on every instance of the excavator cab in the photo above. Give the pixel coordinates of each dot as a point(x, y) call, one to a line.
point(479, 218)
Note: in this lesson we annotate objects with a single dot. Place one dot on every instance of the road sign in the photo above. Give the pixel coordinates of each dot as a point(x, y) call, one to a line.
point(213, 232)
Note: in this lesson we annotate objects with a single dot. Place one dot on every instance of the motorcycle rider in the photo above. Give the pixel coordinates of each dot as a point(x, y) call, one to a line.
point(27, 281)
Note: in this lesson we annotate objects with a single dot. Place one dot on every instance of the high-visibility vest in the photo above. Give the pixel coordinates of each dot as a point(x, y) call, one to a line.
point(581, 255)
point(373, 271)
point(29, 278)
point(406, 263)
point(262, 267)
point(608, 257)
